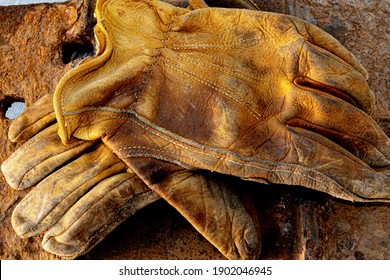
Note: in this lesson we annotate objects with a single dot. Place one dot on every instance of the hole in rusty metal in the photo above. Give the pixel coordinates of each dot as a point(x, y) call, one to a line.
point(72, 51)
point(11, 107)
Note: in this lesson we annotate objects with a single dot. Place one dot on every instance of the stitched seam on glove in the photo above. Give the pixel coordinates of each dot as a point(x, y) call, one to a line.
point(227, 92)
point(228, 70)
point(196, 147)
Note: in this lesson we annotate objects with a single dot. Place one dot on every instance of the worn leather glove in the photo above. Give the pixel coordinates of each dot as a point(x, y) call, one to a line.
point(82, 191)
point(261, 96)
point(262, 121)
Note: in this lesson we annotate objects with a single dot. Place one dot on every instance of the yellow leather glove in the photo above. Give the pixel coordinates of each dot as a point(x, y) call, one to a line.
point(82, 191)
point(261, 96)
point(268, 98)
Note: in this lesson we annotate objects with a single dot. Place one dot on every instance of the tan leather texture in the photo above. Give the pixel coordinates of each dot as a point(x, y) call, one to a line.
point(267, 97)
point(176, 93)
point(82, 192)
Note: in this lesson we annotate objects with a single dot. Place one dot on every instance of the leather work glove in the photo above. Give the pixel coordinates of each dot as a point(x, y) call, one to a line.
point(82, 191)
point(268, 98)
point(261, 96)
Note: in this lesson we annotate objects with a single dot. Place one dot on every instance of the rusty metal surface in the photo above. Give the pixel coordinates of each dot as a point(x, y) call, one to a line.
point(32, 42)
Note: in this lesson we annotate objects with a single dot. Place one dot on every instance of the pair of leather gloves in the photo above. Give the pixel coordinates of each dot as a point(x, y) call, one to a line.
point(172, 94)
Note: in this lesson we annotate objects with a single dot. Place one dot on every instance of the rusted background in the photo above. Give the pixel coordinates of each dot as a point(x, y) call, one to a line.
point(37, 46)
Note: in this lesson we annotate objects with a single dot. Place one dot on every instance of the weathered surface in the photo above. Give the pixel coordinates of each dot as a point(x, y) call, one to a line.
point(31, 63)
point(159, 232)
point(336, 229)
point(296, 223)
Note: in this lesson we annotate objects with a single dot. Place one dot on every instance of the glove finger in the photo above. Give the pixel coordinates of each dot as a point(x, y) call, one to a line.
point(344, 124)
point(346, 176)
point(97, 214)
point(33, 120)
point(216, 212)
point(324, 40)
point(321, 70)
point(209, 203)
point(54, 195)
point(38, 157)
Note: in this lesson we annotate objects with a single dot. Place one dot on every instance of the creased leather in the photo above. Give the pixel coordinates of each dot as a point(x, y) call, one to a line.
point(256, 95)
point(267, 97)
point(70, 185)
point(82, 191)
